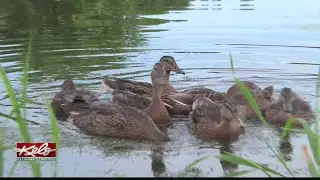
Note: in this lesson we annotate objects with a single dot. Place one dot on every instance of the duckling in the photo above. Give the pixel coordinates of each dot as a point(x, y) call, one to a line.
point(157, 110)
point(141, 88)
point(263, 97)
point(109, 119)
point(69, 93)
point(253, 88)
point(214, 120)
point(289, 105)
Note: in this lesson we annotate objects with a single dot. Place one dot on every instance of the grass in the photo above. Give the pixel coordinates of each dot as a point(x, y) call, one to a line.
point(313, 163)
point(20, 115)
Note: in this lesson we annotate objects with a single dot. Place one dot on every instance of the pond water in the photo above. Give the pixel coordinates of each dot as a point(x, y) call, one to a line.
point(272, 43)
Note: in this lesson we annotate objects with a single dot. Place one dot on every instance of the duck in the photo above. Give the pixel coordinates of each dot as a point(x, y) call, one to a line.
point(138, 94)
point(72, 96)
point(144, 88)
point(289, 105)
point(215, 120)
point(264, 97)
point(109, 119)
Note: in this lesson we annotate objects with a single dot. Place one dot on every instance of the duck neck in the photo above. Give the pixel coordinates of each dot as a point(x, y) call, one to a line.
point(156, 93)
point(168, 74)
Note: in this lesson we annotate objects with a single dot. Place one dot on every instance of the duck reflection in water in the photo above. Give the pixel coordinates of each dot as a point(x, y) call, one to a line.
point(286, 149)
point(158, 166)
point(226, 148)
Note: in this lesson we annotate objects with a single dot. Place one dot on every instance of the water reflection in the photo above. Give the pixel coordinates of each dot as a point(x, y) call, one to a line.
point(95, 29)
point(158, 166)
point(286, 148)
point(226, 148)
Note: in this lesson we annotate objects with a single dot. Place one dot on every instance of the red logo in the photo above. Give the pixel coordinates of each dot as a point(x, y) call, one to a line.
point(36, 151)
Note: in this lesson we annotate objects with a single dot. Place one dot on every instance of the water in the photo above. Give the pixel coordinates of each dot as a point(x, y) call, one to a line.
point(272, 42)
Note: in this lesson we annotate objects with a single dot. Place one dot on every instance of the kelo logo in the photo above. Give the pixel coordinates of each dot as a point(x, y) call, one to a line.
point(36, 151)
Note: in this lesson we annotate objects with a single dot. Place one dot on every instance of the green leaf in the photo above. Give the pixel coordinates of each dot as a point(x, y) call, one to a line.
point(242, 161)
point(196, 162)
point(313, 140)
point(248, 95)
point(286, 129)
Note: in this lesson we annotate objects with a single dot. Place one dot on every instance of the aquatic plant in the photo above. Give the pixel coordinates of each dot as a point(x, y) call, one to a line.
point(19, 112)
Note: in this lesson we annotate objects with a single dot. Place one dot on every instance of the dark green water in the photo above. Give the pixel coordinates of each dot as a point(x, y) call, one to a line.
point(272, 42)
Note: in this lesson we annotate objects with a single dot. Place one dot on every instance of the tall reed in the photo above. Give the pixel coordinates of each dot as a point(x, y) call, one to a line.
point(20, 115)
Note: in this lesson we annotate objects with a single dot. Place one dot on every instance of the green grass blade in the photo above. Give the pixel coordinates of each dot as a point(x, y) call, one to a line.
point(248, 95)
point(55, 133)
point(22, 126)
point(286, 129)
point(313, 139)
point(25, 77)
point(196, 162)
point(302, 131)
point(242, 161)
point(232, 66)
point(21, 123)
point(313, 170)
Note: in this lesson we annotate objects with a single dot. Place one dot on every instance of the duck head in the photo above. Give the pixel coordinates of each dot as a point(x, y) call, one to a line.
point(268, 92)
point(158, 74)
point(68, 85)
point(171, 65)
point(286, 98)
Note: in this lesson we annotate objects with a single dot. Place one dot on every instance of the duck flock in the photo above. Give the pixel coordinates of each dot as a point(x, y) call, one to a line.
point(139, 110)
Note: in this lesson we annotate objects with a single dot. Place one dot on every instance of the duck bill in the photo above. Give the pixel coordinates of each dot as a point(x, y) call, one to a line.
point(179, 71)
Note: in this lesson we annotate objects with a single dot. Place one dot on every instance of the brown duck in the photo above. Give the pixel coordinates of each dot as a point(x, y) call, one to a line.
point(289, 105)
point(144, 88)
point(109, 119)
point(215, 120)
point(139, 94)
point(263, 97)
point(69, 99)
